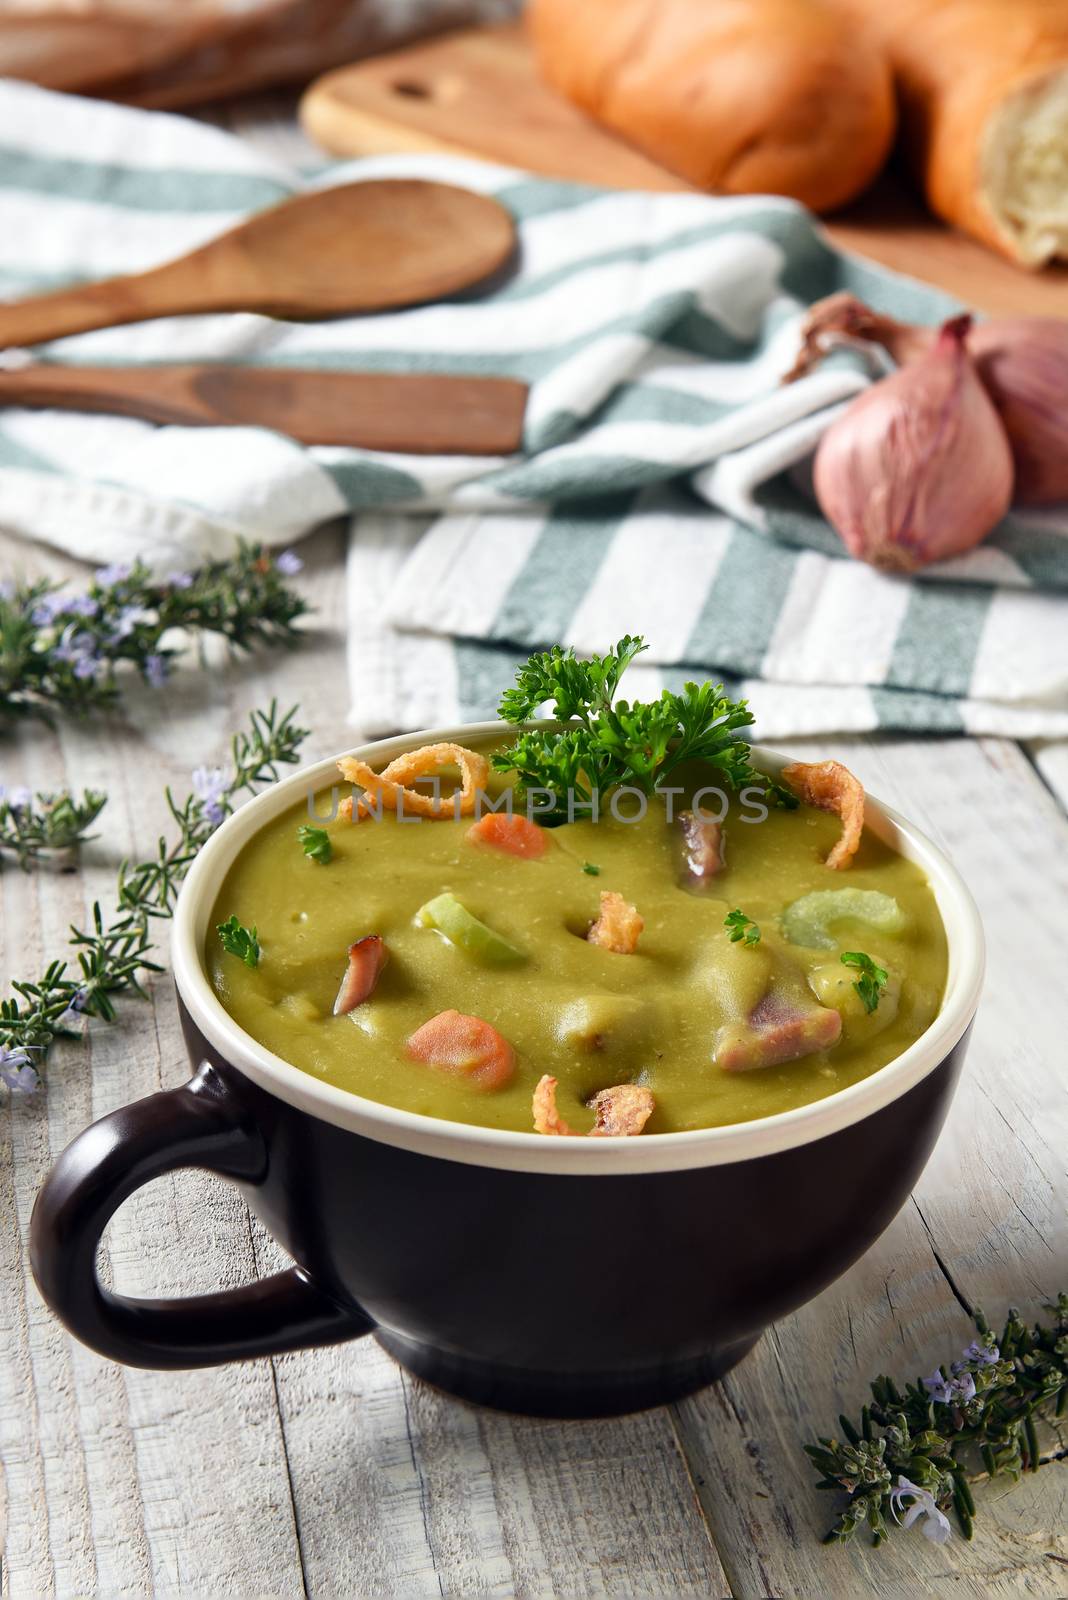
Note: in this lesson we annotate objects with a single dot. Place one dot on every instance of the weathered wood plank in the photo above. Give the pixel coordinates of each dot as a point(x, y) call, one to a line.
point(987, 1224)
point(401, 1491)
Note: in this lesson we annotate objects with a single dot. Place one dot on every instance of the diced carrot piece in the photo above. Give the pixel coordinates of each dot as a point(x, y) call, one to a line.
point(515, 835)
point(464, 1045)
point(367, 957)
point(618, 926)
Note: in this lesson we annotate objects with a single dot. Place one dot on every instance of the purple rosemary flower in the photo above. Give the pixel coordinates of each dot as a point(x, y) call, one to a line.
point(17, 1071)
point(984, 1355)
point(156, 670)
point(934, 1524)
point(53, 606)
point(47, 609)
point(955, 1391)
point(181, 580)
point(965, 1388)
point(127, 620)
point(74, 1013)
point(80, 653)
point(17, 799)
point(939, 1388)
point(87, 665)
point(288, 564)
point(209, 786)
point(107, 576)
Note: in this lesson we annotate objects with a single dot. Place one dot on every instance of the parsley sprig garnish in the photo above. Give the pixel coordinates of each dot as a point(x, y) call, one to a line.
point(315, 842)
point(872, 980)
point(915, 1455)
point(605, 743)
point(739, 927)
point(239, 941)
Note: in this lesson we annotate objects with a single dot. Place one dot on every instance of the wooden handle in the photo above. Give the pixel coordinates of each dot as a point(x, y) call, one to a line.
point(412, 414)
point(159, 293)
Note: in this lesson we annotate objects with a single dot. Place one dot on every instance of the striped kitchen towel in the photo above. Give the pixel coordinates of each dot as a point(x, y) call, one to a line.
point(661, 487)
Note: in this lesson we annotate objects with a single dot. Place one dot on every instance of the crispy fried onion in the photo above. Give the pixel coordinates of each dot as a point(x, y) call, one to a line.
point(619, 1111)
point(390, 786)
point(619, 925)
point(831, 787)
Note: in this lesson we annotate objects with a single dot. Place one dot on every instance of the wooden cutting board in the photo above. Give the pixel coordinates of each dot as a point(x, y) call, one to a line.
point(476, 92)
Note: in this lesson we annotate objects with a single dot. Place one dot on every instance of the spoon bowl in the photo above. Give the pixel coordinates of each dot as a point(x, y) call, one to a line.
point(358, 247)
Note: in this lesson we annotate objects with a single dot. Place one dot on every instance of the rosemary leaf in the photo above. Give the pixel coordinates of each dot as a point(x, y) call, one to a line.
point(112, 958)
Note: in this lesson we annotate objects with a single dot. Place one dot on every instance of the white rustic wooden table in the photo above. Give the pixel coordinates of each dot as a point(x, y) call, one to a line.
point(332, 1473)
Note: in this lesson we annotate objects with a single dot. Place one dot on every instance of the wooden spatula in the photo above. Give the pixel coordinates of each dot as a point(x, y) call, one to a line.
point(360, 247)
point(421, 414)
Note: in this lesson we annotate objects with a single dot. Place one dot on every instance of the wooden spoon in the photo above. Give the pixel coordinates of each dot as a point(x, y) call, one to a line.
point(415, 413)
point(359, 247)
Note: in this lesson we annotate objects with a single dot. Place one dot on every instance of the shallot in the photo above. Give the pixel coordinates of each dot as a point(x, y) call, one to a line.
point(918, 468)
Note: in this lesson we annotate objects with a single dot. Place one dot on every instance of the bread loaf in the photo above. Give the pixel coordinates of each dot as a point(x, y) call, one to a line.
point(746, 96)
point(983, 87)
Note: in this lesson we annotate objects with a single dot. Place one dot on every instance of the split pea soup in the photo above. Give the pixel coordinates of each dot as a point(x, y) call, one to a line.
point(652, 973)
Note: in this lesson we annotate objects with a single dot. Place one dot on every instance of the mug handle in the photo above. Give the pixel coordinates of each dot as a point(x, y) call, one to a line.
point(202, 1124)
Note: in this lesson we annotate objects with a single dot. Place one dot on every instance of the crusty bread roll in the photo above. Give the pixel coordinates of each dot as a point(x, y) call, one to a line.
point(983, 86)
point(747, 96)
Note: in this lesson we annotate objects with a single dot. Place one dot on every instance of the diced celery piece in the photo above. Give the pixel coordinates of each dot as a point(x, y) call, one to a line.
point(456, 923)
point(807, 920)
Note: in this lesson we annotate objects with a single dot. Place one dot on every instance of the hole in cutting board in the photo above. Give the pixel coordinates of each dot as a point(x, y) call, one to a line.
point(412, 90)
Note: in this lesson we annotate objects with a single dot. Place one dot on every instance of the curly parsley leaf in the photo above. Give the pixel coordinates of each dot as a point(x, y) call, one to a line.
point(315, 842)
point(872, 980)
point(239, 941)
point(739, 927)
point(606, 744)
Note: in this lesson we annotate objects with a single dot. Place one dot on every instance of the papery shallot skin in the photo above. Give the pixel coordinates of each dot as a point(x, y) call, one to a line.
point(1023, 364)
point(918, 468)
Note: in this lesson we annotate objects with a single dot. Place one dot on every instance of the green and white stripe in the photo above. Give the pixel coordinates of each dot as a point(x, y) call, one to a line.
point(661, 487)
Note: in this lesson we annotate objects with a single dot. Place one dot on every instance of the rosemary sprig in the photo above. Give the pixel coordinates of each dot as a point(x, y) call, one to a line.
point(61, 651)
point(606, 743)
point(46, 826)
point(113, 957)
point(914, 1455)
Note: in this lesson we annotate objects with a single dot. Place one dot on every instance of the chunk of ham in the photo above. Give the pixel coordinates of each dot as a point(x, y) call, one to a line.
point(367, 957)
point(702, 849)
point(831, 787)
point(618, 926)
point(780, 1028)
point(619, 1112)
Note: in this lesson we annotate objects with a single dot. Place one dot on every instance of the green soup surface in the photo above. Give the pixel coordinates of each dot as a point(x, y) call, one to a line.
point(592, 1017)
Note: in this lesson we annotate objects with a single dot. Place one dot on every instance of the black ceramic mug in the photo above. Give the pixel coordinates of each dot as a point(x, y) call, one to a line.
point(561, 1277)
